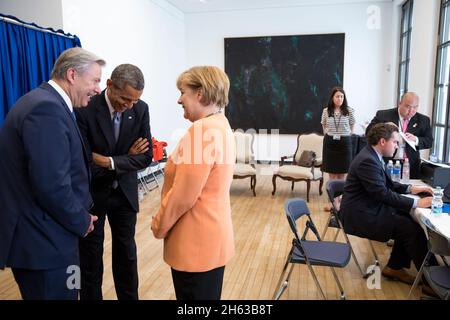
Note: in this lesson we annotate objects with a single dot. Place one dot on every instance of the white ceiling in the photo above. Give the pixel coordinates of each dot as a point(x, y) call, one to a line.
point(193, 6)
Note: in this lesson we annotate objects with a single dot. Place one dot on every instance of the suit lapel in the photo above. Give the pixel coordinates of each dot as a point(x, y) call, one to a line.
point(412, 125)
point(126, 125)
point(49, 88)
point(103, 118)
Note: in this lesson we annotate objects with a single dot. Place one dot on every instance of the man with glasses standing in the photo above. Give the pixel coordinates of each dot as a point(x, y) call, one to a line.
point(116, 130)
point(415, 126)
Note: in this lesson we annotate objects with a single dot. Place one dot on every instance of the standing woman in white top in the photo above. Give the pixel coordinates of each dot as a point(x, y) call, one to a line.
point(337, 121)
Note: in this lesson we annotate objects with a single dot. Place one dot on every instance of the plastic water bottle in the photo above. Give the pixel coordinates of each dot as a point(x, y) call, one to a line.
point(390, 169)
point(397, 169)
point(405, 172)
point(436, 203)
point(433, 157)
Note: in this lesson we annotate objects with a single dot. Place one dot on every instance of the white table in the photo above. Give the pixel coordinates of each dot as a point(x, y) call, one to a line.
point(440, 223)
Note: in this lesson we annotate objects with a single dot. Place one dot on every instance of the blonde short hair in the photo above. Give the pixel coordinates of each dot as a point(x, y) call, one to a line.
point(212, 81)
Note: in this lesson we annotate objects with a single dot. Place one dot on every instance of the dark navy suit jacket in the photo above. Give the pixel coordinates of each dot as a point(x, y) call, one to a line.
point(419, 125)
point(44, 184)
point(96, 128)
point(371, 198)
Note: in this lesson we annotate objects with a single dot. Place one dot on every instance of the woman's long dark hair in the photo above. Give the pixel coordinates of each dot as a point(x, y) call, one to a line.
point(330, 105)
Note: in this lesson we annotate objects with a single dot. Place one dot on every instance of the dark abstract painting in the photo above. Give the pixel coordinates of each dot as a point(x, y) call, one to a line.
point(282, 82)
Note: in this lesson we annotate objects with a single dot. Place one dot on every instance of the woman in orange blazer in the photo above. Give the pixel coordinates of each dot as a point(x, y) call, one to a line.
point(194, 218)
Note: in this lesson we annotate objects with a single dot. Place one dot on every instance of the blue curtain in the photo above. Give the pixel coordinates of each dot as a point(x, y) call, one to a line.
point(26, 59)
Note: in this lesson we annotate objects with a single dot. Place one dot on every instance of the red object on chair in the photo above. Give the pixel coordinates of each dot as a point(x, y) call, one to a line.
point(158, 149)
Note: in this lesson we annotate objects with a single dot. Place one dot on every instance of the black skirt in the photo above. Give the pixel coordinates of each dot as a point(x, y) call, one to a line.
point(336, 154)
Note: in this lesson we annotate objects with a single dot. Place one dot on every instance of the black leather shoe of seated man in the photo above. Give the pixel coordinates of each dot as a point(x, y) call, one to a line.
point(398, 275)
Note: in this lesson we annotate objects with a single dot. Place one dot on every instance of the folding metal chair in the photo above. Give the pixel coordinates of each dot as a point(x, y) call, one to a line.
point(335, 188)
point(438, 277)
point(157, 165)
point(141, 179)
point(310, 252)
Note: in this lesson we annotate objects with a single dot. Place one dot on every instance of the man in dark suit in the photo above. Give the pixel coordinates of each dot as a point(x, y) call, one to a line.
point(44, 183)
point(116, 129)
point(373, 206)
point(414, 125)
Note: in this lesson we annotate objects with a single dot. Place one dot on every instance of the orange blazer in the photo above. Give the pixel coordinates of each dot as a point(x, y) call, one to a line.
point(195, 213)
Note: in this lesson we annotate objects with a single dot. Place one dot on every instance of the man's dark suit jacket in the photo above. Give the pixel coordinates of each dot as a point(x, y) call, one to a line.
point(96, 128)
point(44, 184)
point(419, 125)
point(370, 198)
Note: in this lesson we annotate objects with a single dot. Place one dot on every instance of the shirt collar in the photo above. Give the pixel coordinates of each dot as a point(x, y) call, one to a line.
point(62, 93)
point(110, 107)
point(380, 157)
point(108, 102)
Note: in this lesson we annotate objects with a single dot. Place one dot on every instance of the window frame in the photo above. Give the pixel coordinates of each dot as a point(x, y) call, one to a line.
point(440, 148)
point(404, 48)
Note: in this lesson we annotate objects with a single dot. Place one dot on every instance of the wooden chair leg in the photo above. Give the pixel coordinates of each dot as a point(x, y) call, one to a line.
point(274, 184)
point(320, 186)
point(308, 187)
point(292, 187)
point(254, 185)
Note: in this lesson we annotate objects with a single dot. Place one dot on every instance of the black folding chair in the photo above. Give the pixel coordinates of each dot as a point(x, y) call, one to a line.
point(335, 188)
point(438, 277)
point(310, 252)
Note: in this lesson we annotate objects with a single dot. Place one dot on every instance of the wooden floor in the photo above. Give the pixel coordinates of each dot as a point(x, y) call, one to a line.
point(262, 239)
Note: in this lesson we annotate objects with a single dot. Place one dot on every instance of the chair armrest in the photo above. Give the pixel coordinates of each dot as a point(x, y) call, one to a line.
point(284, 158)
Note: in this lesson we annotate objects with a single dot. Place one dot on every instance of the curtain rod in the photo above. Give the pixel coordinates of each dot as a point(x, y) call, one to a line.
point(34, 27)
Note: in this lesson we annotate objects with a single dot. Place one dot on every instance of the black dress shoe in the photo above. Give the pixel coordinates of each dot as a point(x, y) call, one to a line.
point(399, 275)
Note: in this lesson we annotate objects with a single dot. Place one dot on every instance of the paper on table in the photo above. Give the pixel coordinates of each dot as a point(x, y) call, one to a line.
point(411, 144)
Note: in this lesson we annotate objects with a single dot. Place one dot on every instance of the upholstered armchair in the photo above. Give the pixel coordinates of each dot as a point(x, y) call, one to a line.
point(294, 172)
point(245, 167)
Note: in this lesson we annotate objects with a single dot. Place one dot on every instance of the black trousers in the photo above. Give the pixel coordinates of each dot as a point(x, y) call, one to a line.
point(46, 284)
point(410, 243)
point(122, 220)
point(198, 285)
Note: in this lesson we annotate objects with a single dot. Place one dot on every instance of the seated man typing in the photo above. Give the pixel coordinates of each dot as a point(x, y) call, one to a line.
point(373, 206)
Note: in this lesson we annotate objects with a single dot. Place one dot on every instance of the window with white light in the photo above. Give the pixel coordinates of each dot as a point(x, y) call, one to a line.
point(441, 120)
point(404, 52)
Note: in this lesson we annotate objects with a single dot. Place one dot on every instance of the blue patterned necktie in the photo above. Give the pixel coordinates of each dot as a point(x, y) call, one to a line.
point(116, 125)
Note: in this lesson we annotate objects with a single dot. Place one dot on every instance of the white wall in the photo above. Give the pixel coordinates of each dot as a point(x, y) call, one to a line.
point(368, 47)
point(163, 41)
point(149, 34)
point(45, 13)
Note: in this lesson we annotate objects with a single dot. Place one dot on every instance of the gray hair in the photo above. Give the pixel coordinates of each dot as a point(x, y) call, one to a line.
point(76, 58)
point(128, 74)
